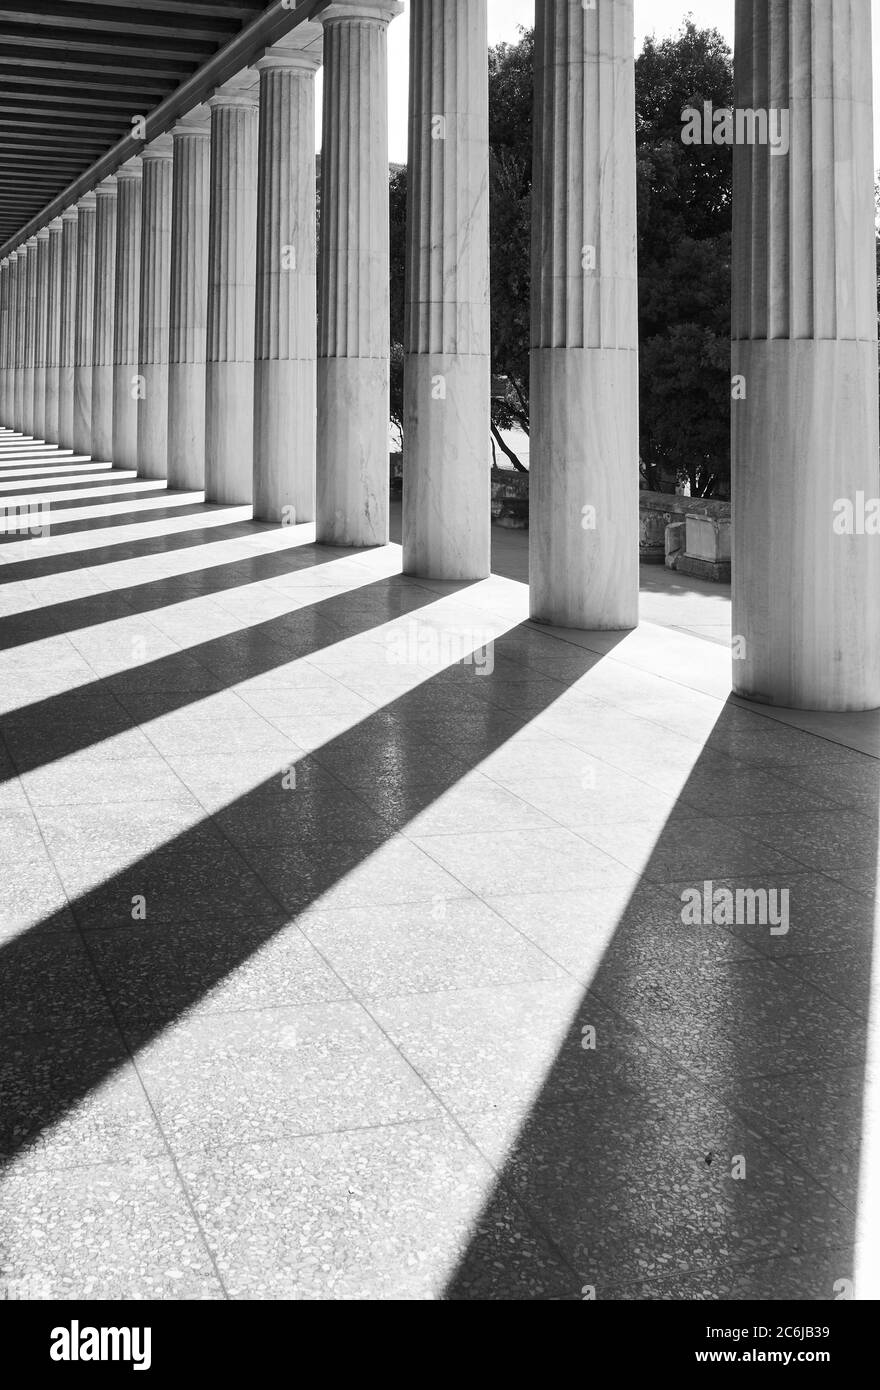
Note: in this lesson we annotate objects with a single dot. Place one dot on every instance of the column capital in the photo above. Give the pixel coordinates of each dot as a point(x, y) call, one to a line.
point(31, 243)
point(56, 224)
point(131, 169)
point(195, 122)
point(241, 90)
point(86, 203)
point(42, 234)
point(70, 214)
point(379, 11)
point(300, 49)
point(106, 188)
point(160, 148)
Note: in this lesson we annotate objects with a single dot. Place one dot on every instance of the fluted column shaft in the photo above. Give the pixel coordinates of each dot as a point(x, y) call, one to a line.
point(53, 334)
point(229, 396)
point(41, 313)
point(152, 419)
point(13, 336)
point(11, 330)
point(584, 500)
point(84, 323)
point(805, 413)
point(30, 335)
point(127, 386)
point(446, 521)
point(354, 323)
point(189, 300)
point(21, 293)
point(286, 285)
point(67, 327)
point(5, 418)
point(105, 318)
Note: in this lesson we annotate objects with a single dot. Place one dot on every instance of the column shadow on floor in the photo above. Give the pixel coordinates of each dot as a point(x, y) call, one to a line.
point(712, 1045)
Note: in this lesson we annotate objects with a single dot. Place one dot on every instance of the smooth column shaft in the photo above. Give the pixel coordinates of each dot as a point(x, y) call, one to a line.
point(806, 587)
point(446, 519)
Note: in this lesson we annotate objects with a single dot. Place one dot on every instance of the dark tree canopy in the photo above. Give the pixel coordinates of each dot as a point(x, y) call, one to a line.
point(685, 200)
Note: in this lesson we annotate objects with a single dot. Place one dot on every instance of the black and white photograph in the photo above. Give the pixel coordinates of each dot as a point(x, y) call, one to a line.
point(439, 668)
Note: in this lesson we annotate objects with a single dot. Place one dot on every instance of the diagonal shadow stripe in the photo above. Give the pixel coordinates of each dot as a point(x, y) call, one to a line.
point(604, 1183)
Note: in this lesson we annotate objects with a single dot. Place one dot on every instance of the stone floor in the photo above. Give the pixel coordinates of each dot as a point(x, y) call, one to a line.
point(341, 951)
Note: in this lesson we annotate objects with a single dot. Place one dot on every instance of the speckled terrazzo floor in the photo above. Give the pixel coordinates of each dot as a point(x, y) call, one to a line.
point(336, 962)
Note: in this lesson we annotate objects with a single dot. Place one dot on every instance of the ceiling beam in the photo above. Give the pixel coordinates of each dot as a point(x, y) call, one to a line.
point(186, 89)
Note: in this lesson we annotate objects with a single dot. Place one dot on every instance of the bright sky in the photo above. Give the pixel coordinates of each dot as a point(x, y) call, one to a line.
point(652, 16)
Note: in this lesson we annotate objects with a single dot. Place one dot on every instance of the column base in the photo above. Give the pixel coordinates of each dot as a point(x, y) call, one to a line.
point(186, 425)
point(82, 410)
point(39, 415)
point(229, 433)
point(102, 414)
point(284, 441)
point(27, 402)
point(806, 582)
point(446, 470)
point(354, 477)
point(124, 451)
point(53, 406)
point(584, 488)
point(152, 423)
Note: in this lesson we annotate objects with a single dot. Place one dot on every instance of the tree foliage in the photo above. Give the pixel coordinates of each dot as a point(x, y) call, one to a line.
point(685, 203)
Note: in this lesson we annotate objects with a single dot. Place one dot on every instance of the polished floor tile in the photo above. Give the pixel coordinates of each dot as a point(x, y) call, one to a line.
point(343, 951)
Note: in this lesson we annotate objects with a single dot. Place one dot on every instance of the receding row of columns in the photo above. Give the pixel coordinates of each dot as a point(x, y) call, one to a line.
point(172, 321)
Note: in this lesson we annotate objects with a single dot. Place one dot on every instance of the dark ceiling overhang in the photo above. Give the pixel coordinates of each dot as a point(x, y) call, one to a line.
point(74, 73)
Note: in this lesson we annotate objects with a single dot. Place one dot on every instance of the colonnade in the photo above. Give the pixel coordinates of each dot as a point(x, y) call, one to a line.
point(173, 321)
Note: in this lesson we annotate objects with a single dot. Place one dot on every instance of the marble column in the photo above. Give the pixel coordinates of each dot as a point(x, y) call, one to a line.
point(103, 370)
point(584, 500)
point(152, 419)
point(4, 333)
point(354, 321)
point(41, 312)
point(127, 386)
point(805, 446)
point(67, 327)
point(446, 494)
point(286, 284)
point(229, 396)
point(21, 292)
point(11, 333)
point(188, 310)
point(30, 337)
point(84, 323)
point(53, 334)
